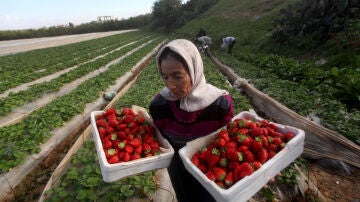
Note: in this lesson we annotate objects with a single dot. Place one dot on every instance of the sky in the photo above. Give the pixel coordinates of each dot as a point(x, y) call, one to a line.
point(34, 14)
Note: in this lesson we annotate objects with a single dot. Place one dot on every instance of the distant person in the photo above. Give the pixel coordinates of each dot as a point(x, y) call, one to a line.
point(201, 33)
point(203, 42)
point(228, 42)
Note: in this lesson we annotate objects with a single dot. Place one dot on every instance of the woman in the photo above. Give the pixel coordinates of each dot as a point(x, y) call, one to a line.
point(187, 108)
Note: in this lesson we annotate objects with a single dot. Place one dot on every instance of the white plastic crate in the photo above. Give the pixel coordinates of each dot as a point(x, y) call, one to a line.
point(244, 189)
point(114, 172)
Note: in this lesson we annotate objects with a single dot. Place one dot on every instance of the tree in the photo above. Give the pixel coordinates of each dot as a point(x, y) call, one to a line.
point(166, 14)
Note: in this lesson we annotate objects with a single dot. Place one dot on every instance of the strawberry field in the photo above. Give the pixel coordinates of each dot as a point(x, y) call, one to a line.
point(46, 96)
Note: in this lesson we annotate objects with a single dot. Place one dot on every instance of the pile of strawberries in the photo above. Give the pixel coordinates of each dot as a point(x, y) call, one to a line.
point(239, 149)
point(126, 136)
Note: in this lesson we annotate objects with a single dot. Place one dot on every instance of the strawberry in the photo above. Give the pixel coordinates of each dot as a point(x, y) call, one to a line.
point(224, 162)
point(114, 159)
point(195, 159)
point(146, 148)
point(121, 135)
point(220, 142)
point(110, 152)
point(244, 140)
point(121, 126)
point(107, 143)
point(288, 136)
point(129, 118)
point(210, 175)
point(135, 142)
point(271, 154)
point(243, 131)
point(135, 156)
point(110, 111)
point(129, 149)
point(139, 120)
point(154, 145)
point(277, 141)
point(113, 136)
point(229, 179)
point(101, 123)
point(126, 157)
point(242, 148)
point(219, 173)
point(248, 156)
point(138, 149)
point(213, 158)
point(203, 168)
point(244, 169)
point(102, 132)
point(262, 155)
point(256, 145)
point(233, 164)
point(256, 165)
point(113, 122)
point(256, 132)
point(224, 135)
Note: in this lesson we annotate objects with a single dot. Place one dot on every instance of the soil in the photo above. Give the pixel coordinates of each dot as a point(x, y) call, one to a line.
point(336, 187)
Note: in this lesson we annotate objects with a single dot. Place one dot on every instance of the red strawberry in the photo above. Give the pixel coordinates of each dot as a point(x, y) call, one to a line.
point(154, 145)
point(195, 159)
point(129, 149)
point(220, 142)
point(114, 159)
point(224, 162)
point(135, 156)
point(288, 136)
point(244, 169)
point(121, 126)
point(203, 168)
point(102, 132)
point(213, 158)
point(135, 142)
point(277, 141)
point(107, 143)
point(146, 148)
point(229, 179)
point(243, 148)
point(126, 157)
point(219, 173)
point(233, 164)
point(210, 175)
point(243, 131)
point(101, 123)
point(113, 122)
point(244, 140)
point(224, 135)
point(256, 145)
point(256, 132)
point(139, 120)
point(248, 156)
point(138, 149)
point(110, 152)
point(256, 165)
point(129, 118)
point(271, 154)
point(262, 155)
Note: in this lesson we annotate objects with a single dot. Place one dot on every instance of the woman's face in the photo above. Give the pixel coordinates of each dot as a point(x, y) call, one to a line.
point(175, 76)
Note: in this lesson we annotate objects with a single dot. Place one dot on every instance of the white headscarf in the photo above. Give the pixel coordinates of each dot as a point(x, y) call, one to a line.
point(202, 94)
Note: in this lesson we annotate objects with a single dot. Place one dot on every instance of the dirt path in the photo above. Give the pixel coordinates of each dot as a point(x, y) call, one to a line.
point(22, 45)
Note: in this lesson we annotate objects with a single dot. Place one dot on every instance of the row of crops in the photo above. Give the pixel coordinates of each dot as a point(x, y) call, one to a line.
point(266, 73)
point(22, 139)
